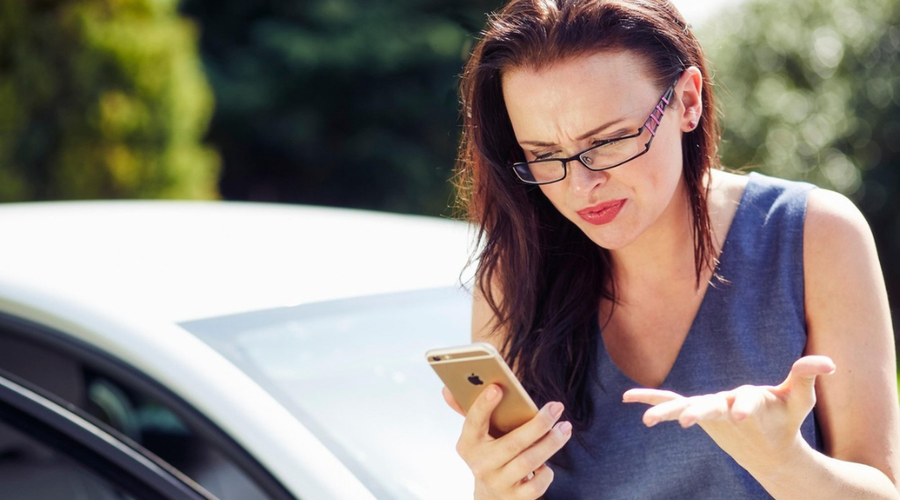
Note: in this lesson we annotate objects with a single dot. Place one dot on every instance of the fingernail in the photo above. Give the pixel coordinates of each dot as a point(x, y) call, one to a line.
point(556, 409)
point(565, 428)
point(492, 393)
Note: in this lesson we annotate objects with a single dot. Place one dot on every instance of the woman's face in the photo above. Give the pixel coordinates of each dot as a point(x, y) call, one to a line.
point(566, 108)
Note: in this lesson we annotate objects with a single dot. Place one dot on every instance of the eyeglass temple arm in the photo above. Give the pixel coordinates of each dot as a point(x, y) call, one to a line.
point(661, 107)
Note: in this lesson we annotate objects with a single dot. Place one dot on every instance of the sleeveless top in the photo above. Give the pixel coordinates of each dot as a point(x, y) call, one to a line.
point(749, 330)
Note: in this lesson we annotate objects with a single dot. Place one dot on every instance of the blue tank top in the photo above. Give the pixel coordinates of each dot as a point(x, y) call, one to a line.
point(748, 330)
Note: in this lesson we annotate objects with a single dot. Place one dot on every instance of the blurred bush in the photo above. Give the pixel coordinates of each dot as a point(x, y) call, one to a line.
point(337, 102)
point(102, 99)
point(810, 90)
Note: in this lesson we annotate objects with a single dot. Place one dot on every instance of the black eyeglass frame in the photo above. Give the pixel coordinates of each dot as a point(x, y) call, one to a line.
point(661, 106)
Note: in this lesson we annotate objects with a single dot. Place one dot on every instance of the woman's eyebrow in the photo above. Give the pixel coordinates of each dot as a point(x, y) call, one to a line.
point(581, 138)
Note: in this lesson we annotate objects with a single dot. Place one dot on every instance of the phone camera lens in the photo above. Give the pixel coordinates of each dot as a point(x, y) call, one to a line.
point(435, 358)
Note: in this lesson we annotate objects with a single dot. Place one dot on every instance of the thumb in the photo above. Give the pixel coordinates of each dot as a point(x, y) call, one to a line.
point(801, 382)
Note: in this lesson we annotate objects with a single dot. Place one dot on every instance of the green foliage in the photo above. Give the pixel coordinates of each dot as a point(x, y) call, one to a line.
point(337, 102)
point(102, 99)
point(810, 89)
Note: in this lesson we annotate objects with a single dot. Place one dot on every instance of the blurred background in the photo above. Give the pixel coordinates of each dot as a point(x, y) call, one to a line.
point(354, 102)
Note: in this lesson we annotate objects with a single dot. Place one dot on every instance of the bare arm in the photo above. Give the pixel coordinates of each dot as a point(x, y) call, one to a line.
point(849, 321)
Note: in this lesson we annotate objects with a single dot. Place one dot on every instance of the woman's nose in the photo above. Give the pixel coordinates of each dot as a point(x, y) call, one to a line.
point(583, 180)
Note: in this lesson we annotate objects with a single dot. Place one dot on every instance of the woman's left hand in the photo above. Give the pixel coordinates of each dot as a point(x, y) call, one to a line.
point(759, 426)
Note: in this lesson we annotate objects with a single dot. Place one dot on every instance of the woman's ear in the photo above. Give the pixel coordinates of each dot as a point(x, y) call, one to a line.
point(690, 93)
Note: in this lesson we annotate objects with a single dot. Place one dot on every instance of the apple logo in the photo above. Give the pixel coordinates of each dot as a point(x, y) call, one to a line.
point(474, 380)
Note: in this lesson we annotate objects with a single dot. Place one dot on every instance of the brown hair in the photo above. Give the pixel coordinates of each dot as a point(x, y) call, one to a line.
point(550, 276)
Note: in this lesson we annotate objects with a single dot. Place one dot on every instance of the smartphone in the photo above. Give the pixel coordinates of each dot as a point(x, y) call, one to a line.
point(467, 370)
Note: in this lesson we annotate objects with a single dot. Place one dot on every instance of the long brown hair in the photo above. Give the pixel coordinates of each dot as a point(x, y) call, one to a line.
point(549, 275)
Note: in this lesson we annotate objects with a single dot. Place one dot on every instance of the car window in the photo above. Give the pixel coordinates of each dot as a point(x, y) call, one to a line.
point(49, 451)
point(354, 372)
point(30, 470)
point(132, 405)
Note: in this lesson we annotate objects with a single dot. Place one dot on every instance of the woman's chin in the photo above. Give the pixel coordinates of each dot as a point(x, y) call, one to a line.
point(608, 238)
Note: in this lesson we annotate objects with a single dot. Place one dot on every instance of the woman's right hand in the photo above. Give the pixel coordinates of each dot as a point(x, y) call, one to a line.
point(512, 466)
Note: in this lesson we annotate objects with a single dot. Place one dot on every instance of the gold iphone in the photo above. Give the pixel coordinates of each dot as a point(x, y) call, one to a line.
point(467, 370)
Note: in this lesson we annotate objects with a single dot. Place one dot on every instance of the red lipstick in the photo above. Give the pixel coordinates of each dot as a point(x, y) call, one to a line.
point(604, 213)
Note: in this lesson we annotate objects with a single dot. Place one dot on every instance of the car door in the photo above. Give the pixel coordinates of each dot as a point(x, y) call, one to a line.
point(123, 402)
point(49, 452)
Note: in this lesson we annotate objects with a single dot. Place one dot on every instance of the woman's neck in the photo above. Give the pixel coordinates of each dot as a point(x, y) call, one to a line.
point(663, 253)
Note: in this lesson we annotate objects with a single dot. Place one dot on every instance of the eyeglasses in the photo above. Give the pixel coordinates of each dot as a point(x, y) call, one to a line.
point(601, 156)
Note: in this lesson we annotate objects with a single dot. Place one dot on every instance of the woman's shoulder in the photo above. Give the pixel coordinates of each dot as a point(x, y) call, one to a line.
point(827, 215)
point(726, 188)
point(839, 250)
point(773, 198)
point(833, 228)
point(821, 222)
point(832, 215)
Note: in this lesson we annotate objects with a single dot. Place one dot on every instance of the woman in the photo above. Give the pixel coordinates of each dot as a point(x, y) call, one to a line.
point(620, 265)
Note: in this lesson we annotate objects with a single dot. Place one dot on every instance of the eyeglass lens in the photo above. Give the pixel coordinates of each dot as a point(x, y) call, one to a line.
point(600, 157)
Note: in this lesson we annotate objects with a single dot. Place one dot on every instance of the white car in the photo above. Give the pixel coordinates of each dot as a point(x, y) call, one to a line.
point(175, 350)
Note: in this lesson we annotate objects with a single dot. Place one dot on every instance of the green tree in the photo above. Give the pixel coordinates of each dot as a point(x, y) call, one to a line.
point(102, 99)
point(337, 102)
point(810, 90)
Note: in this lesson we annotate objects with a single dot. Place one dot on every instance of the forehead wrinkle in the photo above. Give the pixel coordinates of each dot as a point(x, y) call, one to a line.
point(597, 126)
point(550, 100)
point(596, 130)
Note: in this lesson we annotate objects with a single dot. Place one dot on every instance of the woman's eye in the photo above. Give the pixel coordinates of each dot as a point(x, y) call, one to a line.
point(604, 142)
point(543, 156)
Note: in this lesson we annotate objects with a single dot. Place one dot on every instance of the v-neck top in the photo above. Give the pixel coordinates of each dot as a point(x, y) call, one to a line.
point(749, 329)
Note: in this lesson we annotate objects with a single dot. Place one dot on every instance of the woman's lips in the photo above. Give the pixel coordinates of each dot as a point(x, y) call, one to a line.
point(603, 213)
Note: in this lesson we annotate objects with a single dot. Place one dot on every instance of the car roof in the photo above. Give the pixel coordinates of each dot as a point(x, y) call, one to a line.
point(186, 260)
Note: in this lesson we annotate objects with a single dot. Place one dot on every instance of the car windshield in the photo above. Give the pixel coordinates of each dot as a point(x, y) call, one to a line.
point(354, 372)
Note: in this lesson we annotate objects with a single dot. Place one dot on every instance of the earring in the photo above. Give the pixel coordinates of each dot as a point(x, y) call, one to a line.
point(694, 120)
